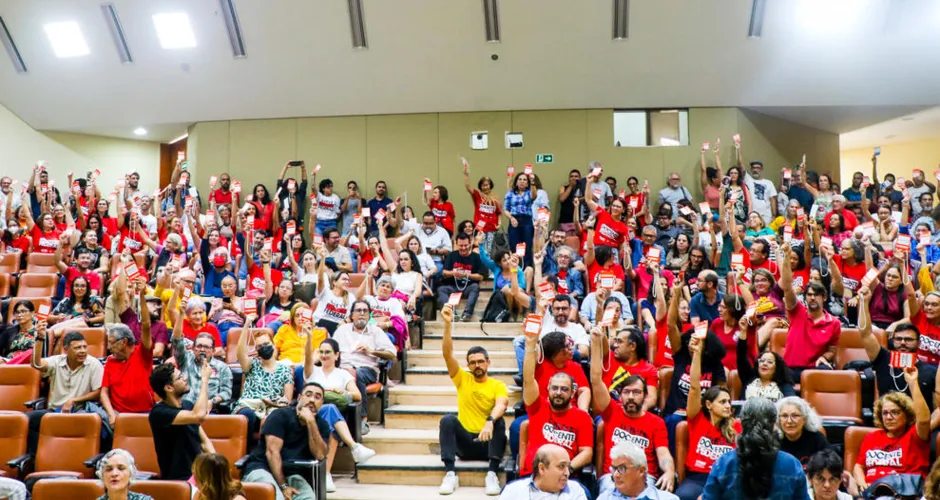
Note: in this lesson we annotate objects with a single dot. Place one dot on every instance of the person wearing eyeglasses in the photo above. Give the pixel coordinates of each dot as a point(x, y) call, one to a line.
point(800, 429)
point(190, 363)
point(901, 445)
point(124, 387)
point(925, 315)
point(673, 192)
point(628, 475)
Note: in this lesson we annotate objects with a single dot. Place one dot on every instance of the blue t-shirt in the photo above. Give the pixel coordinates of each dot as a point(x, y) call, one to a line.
point(374, 206)
point(804, 197)
point(701, 309)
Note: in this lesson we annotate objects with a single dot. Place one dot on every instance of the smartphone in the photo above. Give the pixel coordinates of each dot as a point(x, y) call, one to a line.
point(726, 181)
point(226, 300)
point(296, 163)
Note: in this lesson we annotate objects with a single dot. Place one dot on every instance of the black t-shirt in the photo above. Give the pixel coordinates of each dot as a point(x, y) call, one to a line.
point(176, 445)
point(285, 424)
point(471, 262)
point(892, 379)
point(804, 447)
point(713, 373)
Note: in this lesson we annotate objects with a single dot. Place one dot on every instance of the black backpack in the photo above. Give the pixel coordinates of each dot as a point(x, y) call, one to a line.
point(497, 310)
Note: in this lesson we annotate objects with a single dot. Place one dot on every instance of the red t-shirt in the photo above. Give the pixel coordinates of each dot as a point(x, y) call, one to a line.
point(546, 370)
point(21, 243)
point(615, 370)
point(663, 348)
point(851, 275)
point(190, 333)
point(162, 233)
point(220, 197)
point(571, 429)
point(640, 201)
point(808, 340)
point(94, 280)
point(648, 432)
point(487, 211)
point(644, 281)
point(109, 224)
point(264, 217)
point(609, 231)
point(881, 455)
point(929, 351)
point(729, 339)
point(254, 287)
point(595, 268)
point(45, 242)
point(129, 381)
point(848, 219)
point(706, 444)
point(801, 278)
point(443, 214)
point(130, 240)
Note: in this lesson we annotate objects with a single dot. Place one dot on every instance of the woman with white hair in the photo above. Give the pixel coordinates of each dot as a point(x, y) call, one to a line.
point(117, 470)
point(195, 321)
point(800, 428)
point(757, 468)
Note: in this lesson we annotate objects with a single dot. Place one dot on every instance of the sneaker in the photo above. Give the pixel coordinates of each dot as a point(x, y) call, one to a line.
point(492, 484)
point(466, 318)
point(517, 379)
point(360, 453)
point(364, 428)
point(459, 319)
point(330, 487)
point(449, 484)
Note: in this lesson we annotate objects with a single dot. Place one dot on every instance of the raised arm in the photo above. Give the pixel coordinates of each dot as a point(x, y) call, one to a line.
point(672, 321)
point(530, 388)
point(921, 410)
point(57, 258)
point(242, 351)
point(786, 275)
point(872, 347)
point(146, 340)
point(447, 344)
point(598, 388)
point(703, 178)
point(694, 403)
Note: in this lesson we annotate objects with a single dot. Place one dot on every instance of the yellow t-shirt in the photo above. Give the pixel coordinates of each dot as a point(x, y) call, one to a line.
point(165, 295)
point(290, 343)
point(475, 400)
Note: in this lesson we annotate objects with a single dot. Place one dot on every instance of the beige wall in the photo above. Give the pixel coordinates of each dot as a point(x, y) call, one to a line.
point(899, 159)
point(403, 149)
point(115, 157)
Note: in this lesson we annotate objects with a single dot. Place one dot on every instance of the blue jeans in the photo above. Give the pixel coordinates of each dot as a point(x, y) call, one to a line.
point(323, 225)
point(332, 415)
point(514, 436)
point(692, 486)
point(672, 421)
point(518, 345)
point(223, 331)
point(522, 233)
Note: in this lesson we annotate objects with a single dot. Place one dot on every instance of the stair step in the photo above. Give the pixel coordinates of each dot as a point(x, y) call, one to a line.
point(430, 358)
point(421, 470)
point(417, 395)
point(424, 416)
point(464, 342)
point(437, 375)
point(403, 441)
point(473, 328)
point(349, 489)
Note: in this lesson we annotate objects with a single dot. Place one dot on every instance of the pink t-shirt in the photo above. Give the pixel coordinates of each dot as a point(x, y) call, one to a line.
point(808, 340)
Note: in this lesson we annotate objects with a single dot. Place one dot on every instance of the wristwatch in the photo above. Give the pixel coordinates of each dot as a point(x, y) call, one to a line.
point(489, 418)
point(284, 486)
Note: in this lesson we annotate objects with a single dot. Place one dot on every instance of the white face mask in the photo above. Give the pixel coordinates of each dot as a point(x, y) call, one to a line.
point(428, 230)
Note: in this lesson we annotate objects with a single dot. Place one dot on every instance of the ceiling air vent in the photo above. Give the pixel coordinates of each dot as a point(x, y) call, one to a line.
point(756, 27)
point(117, 32)
point(10, 45)
point(234, 28)
point(621, 19)
point(491, 20)
point(358, 24)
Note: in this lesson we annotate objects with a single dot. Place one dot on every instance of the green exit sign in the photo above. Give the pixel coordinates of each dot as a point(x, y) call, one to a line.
point(544, 158)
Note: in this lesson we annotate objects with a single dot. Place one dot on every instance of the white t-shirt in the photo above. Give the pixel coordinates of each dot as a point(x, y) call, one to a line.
point(333, 308)
point(328, 207)
point(762, 190)
point(573, 330)
point(405, 282)
point(705, 241)
point(387, 308)
point(337, 379)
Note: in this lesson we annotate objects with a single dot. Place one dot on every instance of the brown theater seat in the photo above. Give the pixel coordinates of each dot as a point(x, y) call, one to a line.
point(163, 490)
point(853, 443)
point(682, 448)
point(835, 394)
point(6, 284)
point(132, 433)
point(258, 491)
point(62, 489)
point(41, 263)
point(13, 430)
point(66, 441)
point(35, 300)
point(37, 284)
point(18, 384)
point(97, 340)
point(356, 279)
point(778, 341)
point(850, 347)
point(228, 434)
point(10, 262)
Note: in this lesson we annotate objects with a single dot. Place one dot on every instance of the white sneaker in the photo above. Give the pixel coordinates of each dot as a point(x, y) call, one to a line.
point(492, 483)
point(330, 487)
point(449, 484)
point(364, 428)
point(360, 453)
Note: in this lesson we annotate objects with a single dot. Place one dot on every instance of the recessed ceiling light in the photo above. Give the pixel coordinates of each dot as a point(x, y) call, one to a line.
point(66, 39)
point(140, 131)
point(907, 118)
point(174, 30)
point(892, 136)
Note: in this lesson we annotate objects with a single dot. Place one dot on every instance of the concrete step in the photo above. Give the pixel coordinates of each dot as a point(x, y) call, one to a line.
point(349, 489)
point(419, 470)
point(437, 375)
point(464, 342)
point(511, 329)
point(424, 417)
point(403, 441)
point(418, 395)
point(427, 358)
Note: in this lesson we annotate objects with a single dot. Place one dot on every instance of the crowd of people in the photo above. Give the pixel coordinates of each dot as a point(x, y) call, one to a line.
point(613, 289)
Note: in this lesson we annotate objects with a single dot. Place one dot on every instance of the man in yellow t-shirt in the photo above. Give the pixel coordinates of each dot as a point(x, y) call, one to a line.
point(477, 431)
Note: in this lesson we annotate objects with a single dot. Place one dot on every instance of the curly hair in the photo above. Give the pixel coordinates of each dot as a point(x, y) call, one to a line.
point(757, 447)
point(900, 399)
point(932, 488)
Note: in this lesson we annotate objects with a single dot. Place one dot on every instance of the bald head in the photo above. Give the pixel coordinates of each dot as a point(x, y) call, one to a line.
point(550, 468)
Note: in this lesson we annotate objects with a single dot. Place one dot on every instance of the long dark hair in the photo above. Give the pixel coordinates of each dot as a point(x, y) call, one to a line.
point(86, 300)
point(899, 292)
point(757, 449)
point(100, 230)
point(333, 345)
point(264, 199)
point(415, 265)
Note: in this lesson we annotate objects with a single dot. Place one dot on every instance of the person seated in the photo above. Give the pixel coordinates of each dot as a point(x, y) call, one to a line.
point(461, 270)
point(190, 364)
point(362, 345)
point(277, 308)
point(83, 266)
point(213, 478)
point(801, 428)
point(215, 271)
point(176, 424)
point(335, 299)
point(595, 303)
point(387, 311)
point(11, 489)
point(167, 281)
point(117, 470)
point(124, 306)
point(194, 322)
point(824, 471)
point(704, 303)
point(629, 350)
point(19, 336)
point(757, 468)
point(557, 321)
point(268, 384)
point(550, 468)
point(769, 376)
point(124, 387)
point(291, 336)
point(292, 433)
point(901, 445)
point(80, 309)
point(341, 390)
point(228, 311)
point(628, 473)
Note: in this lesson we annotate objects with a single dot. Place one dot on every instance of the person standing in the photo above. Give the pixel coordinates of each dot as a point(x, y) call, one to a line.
point(477, 431)
point(673, 192)
point(517, 207)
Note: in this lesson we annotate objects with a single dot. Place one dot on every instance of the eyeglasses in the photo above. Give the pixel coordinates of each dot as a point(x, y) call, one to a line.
point(905, 339)
point(632, 392)
point(22, 311)
point(113, 342)
point(621, 469)
point(792, 417)
point(891, 413)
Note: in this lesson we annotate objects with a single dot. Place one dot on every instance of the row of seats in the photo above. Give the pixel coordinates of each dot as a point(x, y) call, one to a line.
point(69, 443)
point(29, 284)
point(55, 489)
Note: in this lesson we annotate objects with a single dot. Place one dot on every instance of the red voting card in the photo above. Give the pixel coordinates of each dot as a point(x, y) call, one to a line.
point(532, 325)
point(902, 359)
point(454, 299)
point(250, 306)
point(42, 313)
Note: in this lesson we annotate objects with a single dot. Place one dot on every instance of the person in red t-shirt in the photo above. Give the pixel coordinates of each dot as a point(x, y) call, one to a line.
point(195, 321)
point(610, 229)
point(853, 262)
point(82, 268)
point(125, 385)
point(223, 196)
point(629, 421)
point(730, 311)
point(926, 317)
point(443, 210)
point(901, 444)
point(712, 428)
point(486, 208)
point(630, 353)
point(552, 418)
point(636, 200)
point(558, 350)
point(662, 355)
point(43, 232)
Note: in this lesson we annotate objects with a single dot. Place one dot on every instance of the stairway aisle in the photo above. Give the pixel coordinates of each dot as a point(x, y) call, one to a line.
point(408, 462)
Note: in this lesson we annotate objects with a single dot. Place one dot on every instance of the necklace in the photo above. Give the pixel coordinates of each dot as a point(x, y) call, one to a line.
point(894, 380)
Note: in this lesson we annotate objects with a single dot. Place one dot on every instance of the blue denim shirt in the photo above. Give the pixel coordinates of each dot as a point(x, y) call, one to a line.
point(789, 481)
